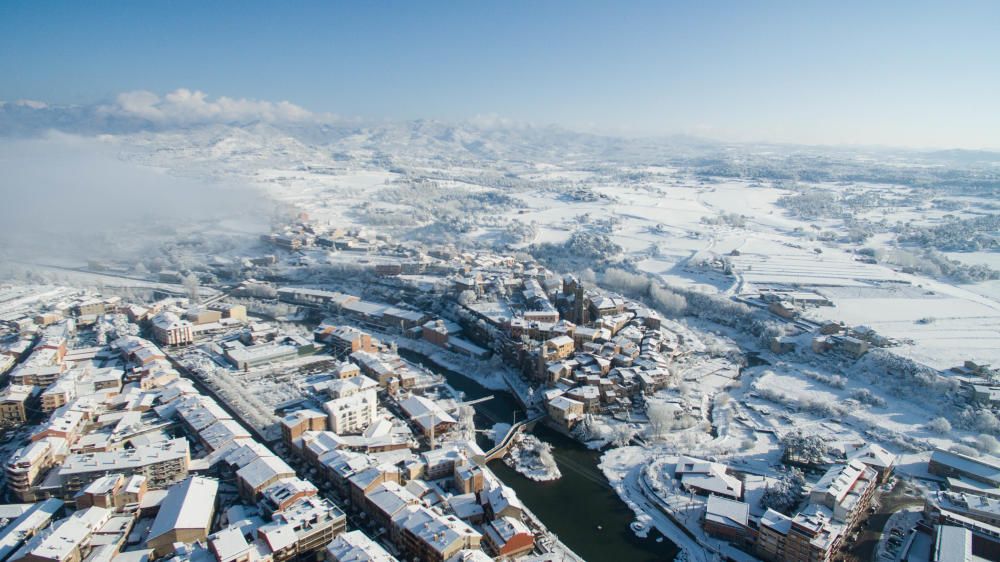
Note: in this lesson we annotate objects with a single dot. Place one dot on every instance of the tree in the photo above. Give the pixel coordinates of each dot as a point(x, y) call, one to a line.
point(191, 285)
point(661, 417)
point(804, 449)
point(987, 444)
point(785, 494)
point(939, 425)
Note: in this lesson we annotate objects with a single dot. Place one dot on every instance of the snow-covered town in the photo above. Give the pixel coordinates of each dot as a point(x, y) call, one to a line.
point(290, 395)
point(533, 281)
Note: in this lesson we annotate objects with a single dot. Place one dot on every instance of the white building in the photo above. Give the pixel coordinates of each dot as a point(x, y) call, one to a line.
point(354, 406)
point(169, 329)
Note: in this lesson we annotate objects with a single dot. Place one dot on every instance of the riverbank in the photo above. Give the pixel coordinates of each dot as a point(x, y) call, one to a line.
point(582, 509)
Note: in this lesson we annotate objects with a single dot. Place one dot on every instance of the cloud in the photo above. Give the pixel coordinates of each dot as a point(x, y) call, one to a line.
point(33, 104)
point(495, 121)
point(185, 107)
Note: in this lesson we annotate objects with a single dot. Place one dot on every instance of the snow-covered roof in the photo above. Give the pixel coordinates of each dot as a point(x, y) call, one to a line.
point(390, 498)
point(874, 455)
point(952, 544)
point(248, 451)
point(228, 544)
point(258, 472)
point(57, 543)
point(560, 341)
point(125, 459)
point(501, 497)
point(188, 505)
point(287, 488)
point(37, 516)
point(355, 546)
point(987, 468)
point(425, 412)
point(223, 432)
point(707, 476)
point(439, 532)
point(839, 480)
point(779, 522)
point(725, 511)
point(503, 529)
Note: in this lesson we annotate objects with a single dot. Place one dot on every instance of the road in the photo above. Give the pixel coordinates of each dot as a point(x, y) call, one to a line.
point(864, 548)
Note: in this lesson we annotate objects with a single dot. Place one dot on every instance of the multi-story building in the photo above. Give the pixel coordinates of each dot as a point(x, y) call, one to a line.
point(386, 501)
point(815, 534)
point(373, 366)
point(728, 519)
point(810, 536)
point(304, 529)
point(509, 537)
point(980, 508)
point(295, 424)
point(285, 493)
point(353, 413)
point(13, 404)
point(245, 357)
point(66, 541)
point(162, 464)
point(846, 490)
point(26, 467)
point(27, 525)
point(59, 393)
point(427, 415)
point(169, 329)
point(344, 340)
point(565, 411)
point(876, 458)
point(433, 537)
point(354, 406)
point(559, 347)
point(113, 491)
point(436, 332)
point(66, 423)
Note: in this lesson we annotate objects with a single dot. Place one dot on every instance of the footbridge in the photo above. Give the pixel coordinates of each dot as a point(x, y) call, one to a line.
point(501, 448)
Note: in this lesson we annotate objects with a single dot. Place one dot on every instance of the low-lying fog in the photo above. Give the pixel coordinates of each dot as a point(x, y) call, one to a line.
point(67, 197)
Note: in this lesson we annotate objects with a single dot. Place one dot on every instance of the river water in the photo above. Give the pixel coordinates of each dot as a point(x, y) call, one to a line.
point(581, 507)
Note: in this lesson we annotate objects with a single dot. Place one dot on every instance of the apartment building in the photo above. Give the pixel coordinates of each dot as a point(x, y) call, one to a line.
point(169, 329)
point(344, 340)
point(810, 536)
point(14, 404)
point(28, 465)
point(433, 537)
point(114, 491)
point(354, 406)
point(162, 464)
point(847, 491)
point(304, 529)
point(295, 424)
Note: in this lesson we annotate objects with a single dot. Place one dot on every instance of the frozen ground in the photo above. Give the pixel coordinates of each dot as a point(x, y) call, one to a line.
point(490, 187)
point(533, 458)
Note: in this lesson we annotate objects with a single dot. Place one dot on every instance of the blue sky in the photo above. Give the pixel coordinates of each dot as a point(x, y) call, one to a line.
point(892, 73)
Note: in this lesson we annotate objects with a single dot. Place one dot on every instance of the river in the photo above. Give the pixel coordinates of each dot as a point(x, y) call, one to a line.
point(581, 507)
